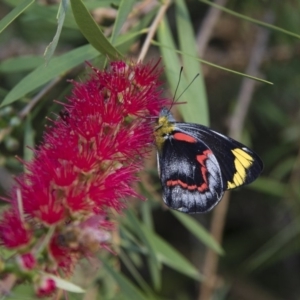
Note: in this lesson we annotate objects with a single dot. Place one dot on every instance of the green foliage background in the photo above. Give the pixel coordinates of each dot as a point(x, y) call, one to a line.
point(161, 252)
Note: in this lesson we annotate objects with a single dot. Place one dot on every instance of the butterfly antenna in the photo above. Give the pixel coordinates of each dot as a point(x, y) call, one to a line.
point(187, 87)
point(180, 73)
point(173, 100)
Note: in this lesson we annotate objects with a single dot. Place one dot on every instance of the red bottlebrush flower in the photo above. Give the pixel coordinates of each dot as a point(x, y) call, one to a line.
point(14, 232)
point(45, 286)
point(79, 239)
point(94, 147)
point(26, 261)
point(84, 168)
point(61, 256)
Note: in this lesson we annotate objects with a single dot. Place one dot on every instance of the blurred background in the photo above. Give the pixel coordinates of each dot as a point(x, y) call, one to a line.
point(248, 247)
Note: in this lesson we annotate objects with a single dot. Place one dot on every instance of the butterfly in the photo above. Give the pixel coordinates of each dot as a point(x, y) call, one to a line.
point(197, 164)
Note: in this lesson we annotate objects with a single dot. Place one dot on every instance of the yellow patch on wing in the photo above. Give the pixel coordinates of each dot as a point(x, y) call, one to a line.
point(242, 162)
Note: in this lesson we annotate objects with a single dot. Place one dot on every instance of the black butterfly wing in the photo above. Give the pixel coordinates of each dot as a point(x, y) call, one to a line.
point(239, 165)
point(190, 175)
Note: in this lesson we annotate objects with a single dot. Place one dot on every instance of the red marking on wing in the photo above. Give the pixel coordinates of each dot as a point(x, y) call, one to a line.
point(182, 184)
point(179, 136)
point(202, 159)
point(204, 186)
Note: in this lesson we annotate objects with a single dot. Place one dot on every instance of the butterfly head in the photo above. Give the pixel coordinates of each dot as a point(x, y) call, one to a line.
point(166, 113)
point(164, 127)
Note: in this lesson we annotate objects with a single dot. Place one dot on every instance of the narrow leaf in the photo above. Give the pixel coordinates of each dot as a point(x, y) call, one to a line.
point(210, 64)
point(134, 272)
point(61, 18)
point(269, 186)
point(57, 67)
point(154, 265)
point(10, 17)
point(196, 93)
point(43, 74)
point(48, 13)
point(92, 32)
point(124, 10)
point(272, 246)
point(170, 256)
point(126, 287)
point(20, 64)
point(28, 139)
point(241, 16)
point(199, 231)
point(170, 58)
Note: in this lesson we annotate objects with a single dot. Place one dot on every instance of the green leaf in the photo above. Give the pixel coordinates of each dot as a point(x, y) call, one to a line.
point(28, 139)
point(49, 13)
point(3, 92)
point(10, 17)
point(127, 234)
point(283, 168)
point(166, 254)
point(170, 256)
point(272, 246)
point(124, 10)
point(198, 230)
point(92, 32)
point(122, 39)
point(126, 287)
point(269, 186)
point(57, 67)
point(61, 18)
point(134, 272)
point(43, 74)
point(20, 64)
point(209, 63)
point(172, 63)
point(241, 16)
point(153, 263)
point(170, 58)
point(146, 213)
point(22, 291)
point(196, 109)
